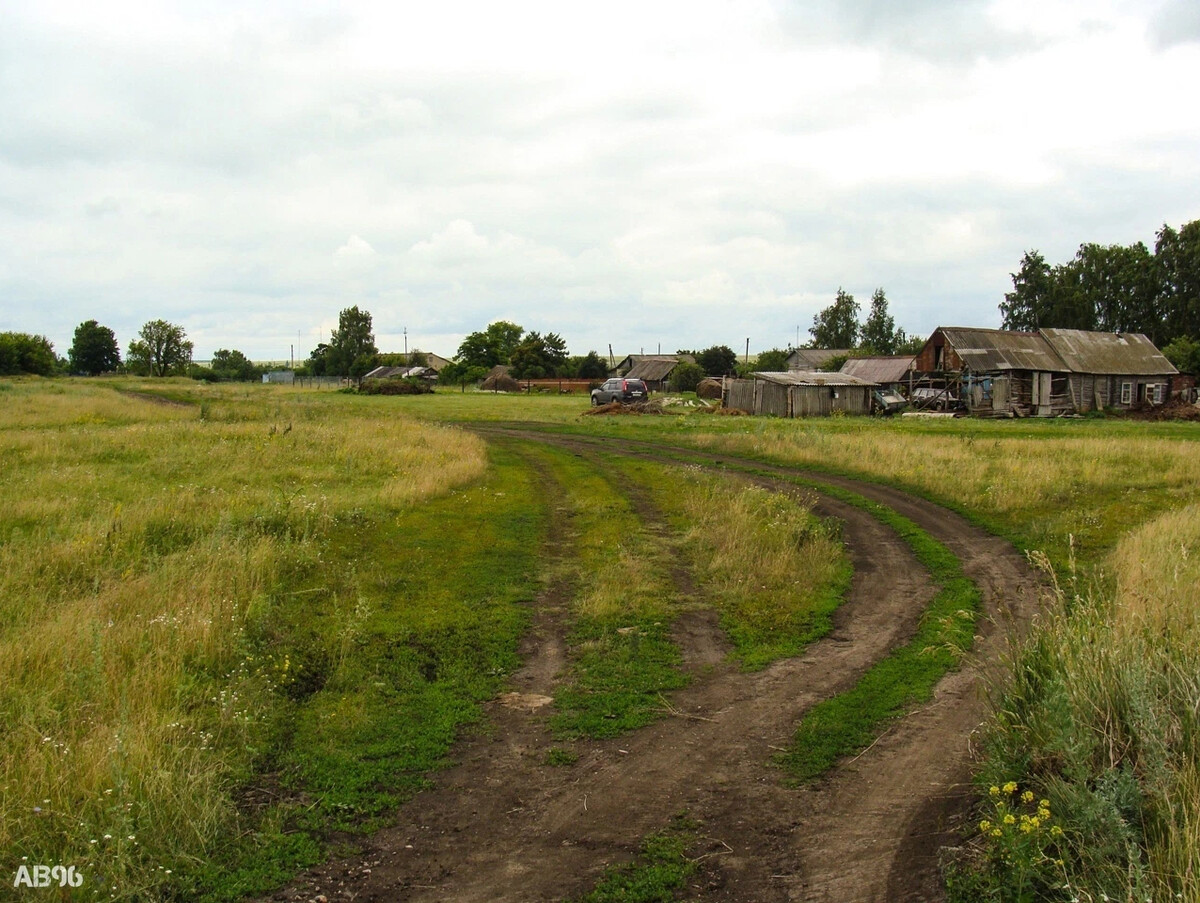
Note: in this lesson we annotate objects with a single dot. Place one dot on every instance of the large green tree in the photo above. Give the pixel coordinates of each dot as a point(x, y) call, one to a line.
point(494, 345)
point(351, 345)
point(161, 349)
point(591, 367)
point(233, 366)
point(1114, 288)
point(94, 350)
point(1177, 259)
point(837, 325)
point(1184, 353)
point(773, 361)
point(1026, 306)
point(879, 334)
point(21, 352)
point(539, 356)
point(718, 360)
point(1119, 285)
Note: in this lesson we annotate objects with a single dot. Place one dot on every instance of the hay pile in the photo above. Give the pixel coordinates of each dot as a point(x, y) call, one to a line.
point(500, 384)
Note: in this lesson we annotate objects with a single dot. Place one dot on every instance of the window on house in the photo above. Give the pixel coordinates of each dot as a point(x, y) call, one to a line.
point(1158, 393)
point(1126, 393)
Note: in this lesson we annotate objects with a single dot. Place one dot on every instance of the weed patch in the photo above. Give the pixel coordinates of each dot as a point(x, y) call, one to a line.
point(659, 871)
point(622, 655)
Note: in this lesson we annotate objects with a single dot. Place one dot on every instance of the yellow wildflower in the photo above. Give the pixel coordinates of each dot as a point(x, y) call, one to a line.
point(1010, 787)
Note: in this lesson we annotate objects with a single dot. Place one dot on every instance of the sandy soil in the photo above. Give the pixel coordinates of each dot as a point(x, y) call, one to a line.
point(502, 825)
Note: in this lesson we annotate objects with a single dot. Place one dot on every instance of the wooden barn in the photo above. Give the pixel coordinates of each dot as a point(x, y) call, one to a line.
point(799, 393)
point(654, 371)
point(1046, 373)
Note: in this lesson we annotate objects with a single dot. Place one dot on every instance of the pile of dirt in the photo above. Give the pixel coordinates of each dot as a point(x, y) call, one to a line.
point(1175, 409)
point(500, 383)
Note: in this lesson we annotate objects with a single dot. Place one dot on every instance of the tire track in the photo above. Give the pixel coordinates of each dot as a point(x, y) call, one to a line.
point(502, 825)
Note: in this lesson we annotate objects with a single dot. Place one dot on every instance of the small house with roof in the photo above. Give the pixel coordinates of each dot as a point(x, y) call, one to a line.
point(1046, 373)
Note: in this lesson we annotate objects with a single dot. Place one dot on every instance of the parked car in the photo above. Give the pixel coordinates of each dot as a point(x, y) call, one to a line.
point(623, 390)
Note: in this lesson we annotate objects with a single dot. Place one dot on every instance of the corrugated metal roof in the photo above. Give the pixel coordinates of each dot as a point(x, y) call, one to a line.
point(657, 368)
point(632, 360)
point(1108, 352)
point(810, 378)
point(984, 350)
point(813, 358)
point(878, 369)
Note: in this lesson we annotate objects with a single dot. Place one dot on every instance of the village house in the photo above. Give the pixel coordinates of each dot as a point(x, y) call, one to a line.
point(654, 369)
point(1046, 373)
point(813, 358)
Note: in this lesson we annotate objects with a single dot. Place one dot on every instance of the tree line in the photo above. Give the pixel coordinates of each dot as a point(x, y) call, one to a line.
point(1117, 288)
point(837, 327)
point(161, 348)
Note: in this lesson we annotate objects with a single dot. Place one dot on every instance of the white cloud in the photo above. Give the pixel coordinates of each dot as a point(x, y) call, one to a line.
point(248, 169)
point(355, 247)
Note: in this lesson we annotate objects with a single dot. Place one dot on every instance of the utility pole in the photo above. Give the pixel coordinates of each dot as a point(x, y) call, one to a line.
point(746, 359)
point(406, 344)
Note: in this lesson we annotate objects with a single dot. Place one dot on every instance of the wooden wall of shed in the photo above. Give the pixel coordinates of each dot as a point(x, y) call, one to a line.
point(821, 401)
point(740, 394)
point(927, 361)
point(762, 397)
point(773, 400)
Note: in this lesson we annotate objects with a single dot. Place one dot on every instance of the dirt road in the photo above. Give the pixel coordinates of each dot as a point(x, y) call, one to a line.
point(502, 824)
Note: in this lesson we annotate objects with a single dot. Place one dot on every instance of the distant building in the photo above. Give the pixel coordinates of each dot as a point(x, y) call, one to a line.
point(814, 358)
point(799, 393)
point(1048, 372)
point(285, 377)
point(655, 369)
point(886, 371)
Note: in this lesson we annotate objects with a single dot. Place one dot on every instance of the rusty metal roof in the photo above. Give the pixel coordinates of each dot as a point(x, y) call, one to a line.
point(878, 369)
point(810, 378)
point(984, 350)
point(1111, 353)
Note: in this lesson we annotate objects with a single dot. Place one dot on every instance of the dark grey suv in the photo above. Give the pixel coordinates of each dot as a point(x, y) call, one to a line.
point(623, 390)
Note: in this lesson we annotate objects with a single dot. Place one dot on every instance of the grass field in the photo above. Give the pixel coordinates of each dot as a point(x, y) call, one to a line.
point(232, 619)
point(1098, 713)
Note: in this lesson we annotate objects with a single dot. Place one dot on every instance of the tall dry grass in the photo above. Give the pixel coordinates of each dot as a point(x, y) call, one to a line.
point(1091, 483)
point(136, 540)
point(773, 568)
point(1156, 616)
point(1102, 715)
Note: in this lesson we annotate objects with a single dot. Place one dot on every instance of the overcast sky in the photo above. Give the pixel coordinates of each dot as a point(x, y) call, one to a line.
point(637, 173)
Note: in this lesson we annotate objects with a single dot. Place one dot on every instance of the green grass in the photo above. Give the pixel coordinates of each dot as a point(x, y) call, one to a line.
point(622, 655)
point(281, 632)
point(394, 661)
point(658, 872)
point(277, 636)
point(849, 722)
point(774, 571)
